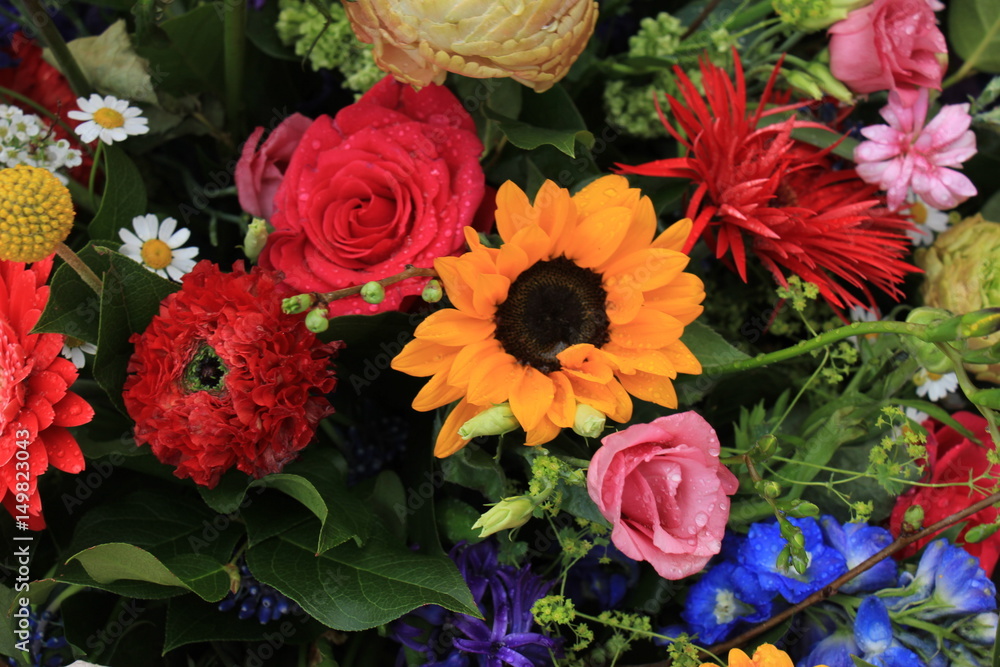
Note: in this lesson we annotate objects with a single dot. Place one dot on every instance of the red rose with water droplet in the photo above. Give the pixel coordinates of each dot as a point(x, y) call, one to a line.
point(222, 377)
point(390, 181)
point(36, 406)
point(953, 459)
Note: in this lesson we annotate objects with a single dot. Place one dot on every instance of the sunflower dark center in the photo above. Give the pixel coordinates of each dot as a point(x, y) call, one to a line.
point(550, 307)
point(205, 372)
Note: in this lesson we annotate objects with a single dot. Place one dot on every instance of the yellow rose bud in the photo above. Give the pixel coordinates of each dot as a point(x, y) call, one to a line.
point(420, 41)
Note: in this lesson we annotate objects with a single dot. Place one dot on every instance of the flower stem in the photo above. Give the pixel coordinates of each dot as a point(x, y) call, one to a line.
point(85, 272)
point(49, 35)
point(234, 50)
point(95, 165)
point(410, 272)
point(973, 58)
point(969, 389)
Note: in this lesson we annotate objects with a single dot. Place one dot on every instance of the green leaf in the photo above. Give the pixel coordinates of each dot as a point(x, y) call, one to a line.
point(546, 119)
point(9, 603)
point(530, 137)
point(191, 60)
point(709, 347)
point(112, 66)
point(974, 32)
point(124, 196)
point(73, 307)
point(822, 138)
point(355, 588)
point(473, 468)
point(130, 299)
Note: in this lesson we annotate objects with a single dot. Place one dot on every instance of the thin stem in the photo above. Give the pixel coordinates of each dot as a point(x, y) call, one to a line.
point(973, 58)
point(98, 155)
point(410, 272)
point(234, 50)
point(705, 13)
point(85, 272)
point(49, 35)
point(968, 388)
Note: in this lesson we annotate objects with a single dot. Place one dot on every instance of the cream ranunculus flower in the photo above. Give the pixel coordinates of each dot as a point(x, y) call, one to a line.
point(420, 41)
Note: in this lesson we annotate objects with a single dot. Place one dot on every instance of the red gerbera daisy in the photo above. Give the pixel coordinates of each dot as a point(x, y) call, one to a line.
point(223, 377)
point(36, 405)
point(759, 187)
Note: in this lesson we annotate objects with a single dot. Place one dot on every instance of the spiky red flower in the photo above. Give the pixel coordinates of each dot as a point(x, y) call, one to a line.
point(36, 405)
point(762, 190)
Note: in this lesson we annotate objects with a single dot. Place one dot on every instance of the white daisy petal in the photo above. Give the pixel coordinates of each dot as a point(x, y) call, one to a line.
point(167, 228)
point(185, 253)
point(179, 238)
point(128, 238)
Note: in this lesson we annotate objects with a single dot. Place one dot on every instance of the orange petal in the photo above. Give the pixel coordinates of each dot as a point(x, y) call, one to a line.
point(491, 380)
point(587, 362)
point(674, 236)
point(622, 410)
point(598, 236)
point(536, 244)
point(606, 191)
point(491, 291)
point(513, 210)
point(435, 393)
point(452, 327)
point(470, 356)
point(556, 214)
point(643, 227)
point(653, 388)
point(448, 441)
point(682, 358)
point(531, 397)
point(681, 298)
point(422, 358)
point(544, 432)
point(512, 260)
point(649, 361)
point(482, 258)
point(563, 410)
point(625, 298)
point(647, 269)
point(597, 396)
point(455, 282)
point(650, 329)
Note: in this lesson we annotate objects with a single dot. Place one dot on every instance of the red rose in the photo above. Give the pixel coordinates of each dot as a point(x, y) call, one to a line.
point(390, 181)
point(889, 45)
point(259, 170)
point(223, 377)
point(951, 459)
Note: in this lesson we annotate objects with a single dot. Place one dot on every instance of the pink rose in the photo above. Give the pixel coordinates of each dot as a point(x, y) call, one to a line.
point(259, 171)
point(889, 45)
point(663, 489)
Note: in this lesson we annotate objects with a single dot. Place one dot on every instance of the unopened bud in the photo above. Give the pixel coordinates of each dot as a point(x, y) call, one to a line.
point(432, 292)
point(508, 513)
point(980, 323)
point(255, 239)
point(316, 320)
point(493, 421)
point(764, 449)
point(802, 81)
point(941, 326)
point(798, 508)
point(913, 519)
point(981, 532)
point(769, 489)
point(829, 83)
point(299, 303)
point(373, 292)
point(588, 422)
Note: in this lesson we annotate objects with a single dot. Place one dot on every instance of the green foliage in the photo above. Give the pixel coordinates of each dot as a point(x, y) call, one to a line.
point(974, 32)
point(124, 196)
point(549, 118)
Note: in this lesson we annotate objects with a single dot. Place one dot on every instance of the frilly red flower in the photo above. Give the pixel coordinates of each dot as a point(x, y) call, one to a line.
point(36, 405)
point(222, 377)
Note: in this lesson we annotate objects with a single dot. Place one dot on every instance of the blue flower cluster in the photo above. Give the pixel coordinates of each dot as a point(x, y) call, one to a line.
point(505, 595)
point(374, 442)
point(254, 599)
point(944, 613)
point(45, 640)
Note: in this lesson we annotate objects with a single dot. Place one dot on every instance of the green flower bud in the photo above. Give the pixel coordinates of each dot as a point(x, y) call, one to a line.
point(764, 449)
point(981, 532)
point(432, 292)
point(770, 489)
point(373, 292)
point(830, 84)
point(812, 15)
point(928, 354)
point(316, 320)
point(299, 303)
point(802, 81)
point(913, 519)
point(255, 239)
point(493, 421)
point(980, 323)
point(798, 508)
point(508, 513)
point(589, 422)
point(962, 275)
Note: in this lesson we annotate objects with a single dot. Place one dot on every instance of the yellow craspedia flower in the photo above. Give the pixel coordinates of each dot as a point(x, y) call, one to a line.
point(766, 655)
point(36, 213)
point(419, 41)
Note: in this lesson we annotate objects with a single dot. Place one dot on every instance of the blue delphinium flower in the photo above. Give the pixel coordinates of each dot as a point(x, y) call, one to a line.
point(602, 582)
point(254, 599)
point(979, 629)
point(717, 603)
point(857, 542)
point(759, 555)
point(45, 639)
point(874, 634)
point(960, 586)
point(833, 651)
point(916, 588)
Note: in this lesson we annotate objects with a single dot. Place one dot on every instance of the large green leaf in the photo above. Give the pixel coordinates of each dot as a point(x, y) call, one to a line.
point(74, 573)
point(709, 347)
point(130, 299)
point(974, 32)
point(73, 307)
point(355, 588)
point(190, 59)
point(546, 119)
point(124, 196)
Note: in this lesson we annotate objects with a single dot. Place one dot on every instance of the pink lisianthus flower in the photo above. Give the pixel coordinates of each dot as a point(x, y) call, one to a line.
point(665, 492)
point(907, 154)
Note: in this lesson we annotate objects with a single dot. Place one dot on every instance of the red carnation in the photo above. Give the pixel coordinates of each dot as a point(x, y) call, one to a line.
point(223, 377)
point(760, 190)
point(953, 459)
point(36, 405)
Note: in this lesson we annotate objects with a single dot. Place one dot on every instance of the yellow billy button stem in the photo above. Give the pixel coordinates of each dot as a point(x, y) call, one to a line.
point(36, 213)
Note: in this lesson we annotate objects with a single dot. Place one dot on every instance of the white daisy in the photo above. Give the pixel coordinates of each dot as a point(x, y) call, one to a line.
point(158, 247)
point(934, 386)
point(74, 349)
point(916, 416)
point(929, 221)
point(107, 118)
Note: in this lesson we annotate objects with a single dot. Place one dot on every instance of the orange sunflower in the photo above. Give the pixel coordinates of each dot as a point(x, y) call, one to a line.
point(582, 305)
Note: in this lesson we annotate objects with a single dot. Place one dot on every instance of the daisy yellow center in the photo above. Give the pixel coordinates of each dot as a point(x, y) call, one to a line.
point(205, 372)
point(72, 342)
point(919, 212)
point(550, 307)
point(36, 213)
point(108, 118)
point(933, 377)
point(156, 254)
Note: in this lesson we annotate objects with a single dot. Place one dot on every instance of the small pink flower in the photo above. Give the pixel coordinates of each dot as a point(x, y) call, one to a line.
point(665, 492)
point(907, 154)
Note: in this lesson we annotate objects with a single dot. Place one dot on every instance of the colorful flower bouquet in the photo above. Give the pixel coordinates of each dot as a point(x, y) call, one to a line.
point(473, 334)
